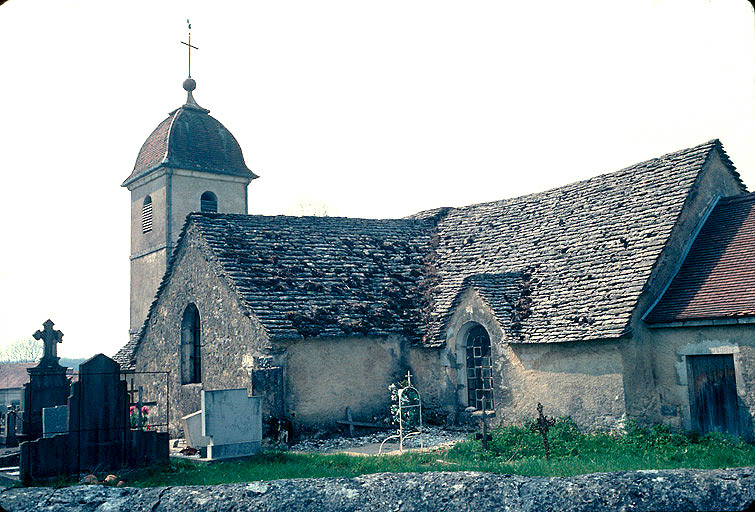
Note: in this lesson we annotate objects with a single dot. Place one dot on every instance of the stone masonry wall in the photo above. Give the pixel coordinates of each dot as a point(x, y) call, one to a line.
point(667, 490)
point(230, 340)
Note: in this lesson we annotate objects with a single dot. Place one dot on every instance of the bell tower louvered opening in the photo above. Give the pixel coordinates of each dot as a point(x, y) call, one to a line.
point(208, 203)
point(147, 215)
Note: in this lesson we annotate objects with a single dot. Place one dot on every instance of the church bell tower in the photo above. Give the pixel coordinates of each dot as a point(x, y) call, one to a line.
point(189, 163)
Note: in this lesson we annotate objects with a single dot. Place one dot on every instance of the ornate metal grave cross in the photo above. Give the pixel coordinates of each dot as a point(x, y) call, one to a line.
point(50, 337)
point(139, 403)
point(543, 425)
point(190, 46)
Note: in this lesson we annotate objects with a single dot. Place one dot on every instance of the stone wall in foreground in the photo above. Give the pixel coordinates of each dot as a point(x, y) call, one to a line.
point(668, 490)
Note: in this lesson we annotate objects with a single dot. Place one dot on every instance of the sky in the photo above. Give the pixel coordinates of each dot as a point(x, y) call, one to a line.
point(344, 108)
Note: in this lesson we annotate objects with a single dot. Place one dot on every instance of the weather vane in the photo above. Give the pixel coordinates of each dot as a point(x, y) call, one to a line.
point(189, 45)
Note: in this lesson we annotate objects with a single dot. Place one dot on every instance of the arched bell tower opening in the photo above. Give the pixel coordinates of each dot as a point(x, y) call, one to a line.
point(208, 202)
point(189, 155)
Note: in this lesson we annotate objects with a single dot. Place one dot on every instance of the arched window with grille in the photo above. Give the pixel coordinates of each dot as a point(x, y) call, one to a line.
point(147, 215)
point(208, 202)
point(191, 345)
point(479, 368)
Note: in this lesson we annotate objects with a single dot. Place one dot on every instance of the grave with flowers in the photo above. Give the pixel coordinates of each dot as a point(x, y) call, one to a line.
point(98, 428)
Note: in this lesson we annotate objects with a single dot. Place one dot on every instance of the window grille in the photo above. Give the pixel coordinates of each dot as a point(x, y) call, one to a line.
point(208, 203)
point(479, 369)
point(147, 215)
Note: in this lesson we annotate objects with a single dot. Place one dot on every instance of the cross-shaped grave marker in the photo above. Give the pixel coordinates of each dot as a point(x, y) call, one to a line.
point(139, 403)
point(50, 337)
point(484, 436)
point(543, 425)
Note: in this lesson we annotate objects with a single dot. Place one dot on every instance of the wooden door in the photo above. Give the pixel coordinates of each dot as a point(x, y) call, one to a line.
point(713, 394)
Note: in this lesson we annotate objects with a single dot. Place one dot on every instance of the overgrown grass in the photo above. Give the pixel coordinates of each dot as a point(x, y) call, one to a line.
point(512, 449)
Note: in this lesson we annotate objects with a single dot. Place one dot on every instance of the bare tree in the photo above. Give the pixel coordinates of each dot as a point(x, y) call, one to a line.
point(24, 350)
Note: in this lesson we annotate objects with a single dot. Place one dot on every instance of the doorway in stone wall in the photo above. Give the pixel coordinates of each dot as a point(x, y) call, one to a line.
point(713, 394)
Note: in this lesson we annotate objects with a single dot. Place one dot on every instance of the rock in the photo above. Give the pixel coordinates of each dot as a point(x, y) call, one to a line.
point(89, 480)
point(663, 490)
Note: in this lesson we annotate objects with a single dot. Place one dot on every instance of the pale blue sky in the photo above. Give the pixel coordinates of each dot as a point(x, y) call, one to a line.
point(372, 109)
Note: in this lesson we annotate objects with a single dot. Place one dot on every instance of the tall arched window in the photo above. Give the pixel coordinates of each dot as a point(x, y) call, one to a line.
point(147, 215)
point(191, 353)
point(208, 202)
point(479, 369)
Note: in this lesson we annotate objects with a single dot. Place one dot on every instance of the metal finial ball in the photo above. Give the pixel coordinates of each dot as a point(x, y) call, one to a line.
point(189, 84)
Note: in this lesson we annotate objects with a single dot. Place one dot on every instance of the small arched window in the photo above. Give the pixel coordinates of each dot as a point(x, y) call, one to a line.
point(191, 353)
point(208, 203)
point(147, 215)
point(479, 369)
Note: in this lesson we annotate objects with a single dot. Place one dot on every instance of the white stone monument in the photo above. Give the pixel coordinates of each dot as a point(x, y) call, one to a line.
point(232, 423)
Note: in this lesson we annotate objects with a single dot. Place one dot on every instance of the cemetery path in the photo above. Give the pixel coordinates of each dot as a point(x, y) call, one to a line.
point(432, 438)
point(660, 490)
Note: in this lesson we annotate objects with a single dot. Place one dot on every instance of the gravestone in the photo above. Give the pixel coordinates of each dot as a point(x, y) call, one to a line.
point(99, 436)
point(11, 440)
point(193, 432)
point(54, 420)
point(98, 413)
point(48, 385)
point(232, 422)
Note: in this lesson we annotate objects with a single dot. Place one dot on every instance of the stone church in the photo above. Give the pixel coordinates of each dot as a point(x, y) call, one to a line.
point(628, 294)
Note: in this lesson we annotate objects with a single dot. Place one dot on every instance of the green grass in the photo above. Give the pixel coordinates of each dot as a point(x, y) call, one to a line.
point(513, 449)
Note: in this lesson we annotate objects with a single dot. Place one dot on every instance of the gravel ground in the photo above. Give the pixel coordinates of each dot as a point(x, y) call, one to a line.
point(431, 436)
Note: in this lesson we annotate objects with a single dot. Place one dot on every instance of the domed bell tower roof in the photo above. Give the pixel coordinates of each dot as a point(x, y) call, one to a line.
point(190, 138)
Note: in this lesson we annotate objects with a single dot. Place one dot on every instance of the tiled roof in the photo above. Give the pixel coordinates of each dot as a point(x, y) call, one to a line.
point(318, 276)
point(14, 375)
point(717, 278)
point(501, 293)
point(567, 264)
point(323, 276)
point(586, 249)
point(190, 138)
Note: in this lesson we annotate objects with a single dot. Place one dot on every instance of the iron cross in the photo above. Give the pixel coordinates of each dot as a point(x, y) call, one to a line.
point(50, 337)
point(543, 425)
point(190, 46)
point(139, 402)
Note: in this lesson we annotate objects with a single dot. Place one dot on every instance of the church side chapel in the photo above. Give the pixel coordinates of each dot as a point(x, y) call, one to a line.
point(630, 294)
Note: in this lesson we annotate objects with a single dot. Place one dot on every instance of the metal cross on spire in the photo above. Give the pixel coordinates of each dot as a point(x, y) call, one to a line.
point(189, 45)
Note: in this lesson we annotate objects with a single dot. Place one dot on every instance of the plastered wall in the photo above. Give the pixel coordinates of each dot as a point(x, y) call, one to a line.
point(672, 345)
point(324, 376)
point(638, 352)
point(582, 380)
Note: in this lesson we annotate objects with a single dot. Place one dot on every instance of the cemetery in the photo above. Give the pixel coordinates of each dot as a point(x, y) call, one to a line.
point(101, 430)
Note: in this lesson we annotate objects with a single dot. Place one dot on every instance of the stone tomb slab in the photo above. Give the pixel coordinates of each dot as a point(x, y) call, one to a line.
point(193, 432)
point(55, 420)
point(232, 422)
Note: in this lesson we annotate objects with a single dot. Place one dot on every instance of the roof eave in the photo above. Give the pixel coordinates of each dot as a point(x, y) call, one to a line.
point(243, 173)
point(705, 322)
